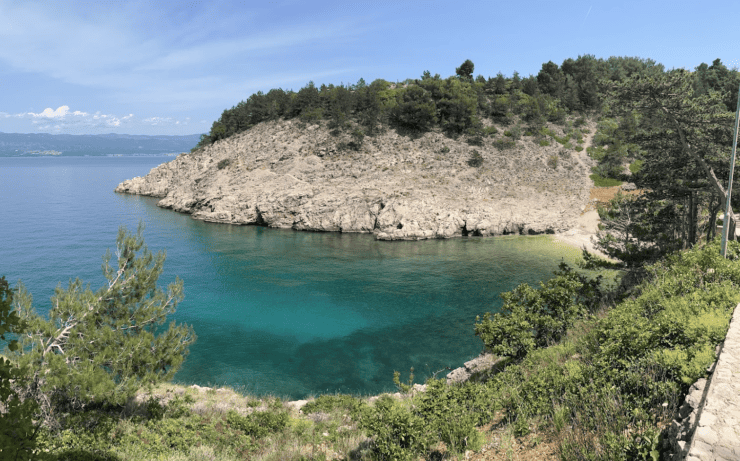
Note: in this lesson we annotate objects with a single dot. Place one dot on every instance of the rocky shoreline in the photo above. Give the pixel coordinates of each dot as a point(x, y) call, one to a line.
point(287, 174)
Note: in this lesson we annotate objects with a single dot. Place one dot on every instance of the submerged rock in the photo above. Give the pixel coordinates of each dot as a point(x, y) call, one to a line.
point(284, 174)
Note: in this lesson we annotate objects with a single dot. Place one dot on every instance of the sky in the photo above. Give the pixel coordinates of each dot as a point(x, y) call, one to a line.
point(172, 68)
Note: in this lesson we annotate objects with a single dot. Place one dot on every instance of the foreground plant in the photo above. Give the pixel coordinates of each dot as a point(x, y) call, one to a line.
point(101, 347)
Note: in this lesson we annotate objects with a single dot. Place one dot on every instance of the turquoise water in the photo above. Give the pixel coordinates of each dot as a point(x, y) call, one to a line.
point(276, 311)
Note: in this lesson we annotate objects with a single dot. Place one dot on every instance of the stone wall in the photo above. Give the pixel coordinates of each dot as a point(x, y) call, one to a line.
point(709, 428)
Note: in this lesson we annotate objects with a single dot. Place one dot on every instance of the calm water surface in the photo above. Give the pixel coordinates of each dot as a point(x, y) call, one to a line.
point(276, 311)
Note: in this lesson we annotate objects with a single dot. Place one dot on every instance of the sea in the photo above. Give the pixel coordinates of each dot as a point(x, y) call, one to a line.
point(277, 312)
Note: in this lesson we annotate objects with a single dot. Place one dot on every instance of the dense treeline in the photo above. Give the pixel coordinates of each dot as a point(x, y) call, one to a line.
point(676, 129)
point(456, 104)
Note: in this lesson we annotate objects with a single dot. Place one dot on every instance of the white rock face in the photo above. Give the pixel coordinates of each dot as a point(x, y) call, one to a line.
point(288, 175)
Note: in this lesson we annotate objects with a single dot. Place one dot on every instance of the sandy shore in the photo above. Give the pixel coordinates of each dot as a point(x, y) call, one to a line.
point(583, 234)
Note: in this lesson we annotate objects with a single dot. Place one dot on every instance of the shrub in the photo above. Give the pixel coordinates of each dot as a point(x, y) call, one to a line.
point(490, 131)
point(328, 403)
point(600, 181)
point(533, 318)
point(452, 412)
point(399, 434)
point(504, 144)
point(358, 136)
point(636, 166)
point(312, 115)
point(415, 109)
point(258, 424)
point(544, 143)
point(475, 160)
point(579, 148)
point(552, 162)
point(514, 132)
point(17, 429)
point(223, 163)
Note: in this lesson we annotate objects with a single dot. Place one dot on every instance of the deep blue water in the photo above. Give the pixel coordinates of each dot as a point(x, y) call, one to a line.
point(276, 311)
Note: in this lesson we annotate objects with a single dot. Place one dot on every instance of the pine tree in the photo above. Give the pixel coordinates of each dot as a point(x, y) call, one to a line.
point(103, 346)
point(17, 429)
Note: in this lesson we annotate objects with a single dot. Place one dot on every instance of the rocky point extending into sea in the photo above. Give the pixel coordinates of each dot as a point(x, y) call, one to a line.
point(290, 174)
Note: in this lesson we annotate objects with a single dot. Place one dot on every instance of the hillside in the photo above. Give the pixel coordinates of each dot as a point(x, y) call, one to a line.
point(290, 174)
point(30, 144)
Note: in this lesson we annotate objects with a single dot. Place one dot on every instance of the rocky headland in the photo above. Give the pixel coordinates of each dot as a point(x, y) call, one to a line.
point(290, 174)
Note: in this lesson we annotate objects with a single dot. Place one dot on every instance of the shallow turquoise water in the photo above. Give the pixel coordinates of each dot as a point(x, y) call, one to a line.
point(276, 311)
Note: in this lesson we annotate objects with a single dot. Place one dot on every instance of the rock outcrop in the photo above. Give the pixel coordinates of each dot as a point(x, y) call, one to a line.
point(290, 175)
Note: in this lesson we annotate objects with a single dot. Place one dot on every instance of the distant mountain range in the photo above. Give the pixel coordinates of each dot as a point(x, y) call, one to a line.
point(37, 144)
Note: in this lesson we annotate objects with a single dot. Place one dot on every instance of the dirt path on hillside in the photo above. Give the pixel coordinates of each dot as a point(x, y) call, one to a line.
point(583, 235)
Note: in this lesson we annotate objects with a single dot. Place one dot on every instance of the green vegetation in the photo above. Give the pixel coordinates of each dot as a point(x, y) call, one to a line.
point(600, 181)
point(597, 370)
point(455, 105)
point(17, 428)
point(475, 160)
point(601, 381)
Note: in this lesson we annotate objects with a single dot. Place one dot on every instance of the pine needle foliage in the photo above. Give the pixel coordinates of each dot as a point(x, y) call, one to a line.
point(101, 347)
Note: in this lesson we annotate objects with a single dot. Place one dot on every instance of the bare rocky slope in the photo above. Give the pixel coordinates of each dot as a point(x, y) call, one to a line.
point(289, 174)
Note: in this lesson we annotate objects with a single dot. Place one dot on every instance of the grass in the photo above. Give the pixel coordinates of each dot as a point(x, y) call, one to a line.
point(600, 181)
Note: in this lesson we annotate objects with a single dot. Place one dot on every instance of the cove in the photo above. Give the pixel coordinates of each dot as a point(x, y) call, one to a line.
point(276, 311)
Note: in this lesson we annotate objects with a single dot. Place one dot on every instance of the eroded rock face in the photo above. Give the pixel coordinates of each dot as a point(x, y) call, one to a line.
point(284, 174)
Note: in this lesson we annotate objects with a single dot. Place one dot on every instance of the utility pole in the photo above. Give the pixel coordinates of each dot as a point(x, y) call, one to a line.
point(728, 197)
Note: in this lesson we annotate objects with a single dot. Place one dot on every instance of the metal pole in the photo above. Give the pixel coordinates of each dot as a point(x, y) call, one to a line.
point(728, 198)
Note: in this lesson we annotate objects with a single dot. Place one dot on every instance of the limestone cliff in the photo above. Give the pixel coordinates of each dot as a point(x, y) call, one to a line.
point(291, 175)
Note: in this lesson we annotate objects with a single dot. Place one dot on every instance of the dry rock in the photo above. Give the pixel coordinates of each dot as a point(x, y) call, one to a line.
point(289, 175)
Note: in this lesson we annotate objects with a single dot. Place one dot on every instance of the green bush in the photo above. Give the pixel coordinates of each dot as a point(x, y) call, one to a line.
point(258, 424)
point(544, 142)
point(475, 160)
point(552, 162)
point(399, 433)
point(17, 428)
point(579, 148)
point(490, 131)
point(223, 163)
point(514, 132)
point(636, 166)
point(415, 109)
point(504, 144)
point(312, 115)
point(452, 412)
point(600, 181)
point(533, 318)
point(329, 403)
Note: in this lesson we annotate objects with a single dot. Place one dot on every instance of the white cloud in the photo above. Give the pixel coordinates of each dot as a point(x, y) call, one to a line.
point(59, 113)
point(159, 121)
point(135, 51)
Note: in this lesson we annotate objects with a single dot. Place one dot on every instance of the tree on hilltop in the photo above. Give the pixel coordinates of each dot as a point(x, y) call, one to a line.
point(465, 71)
